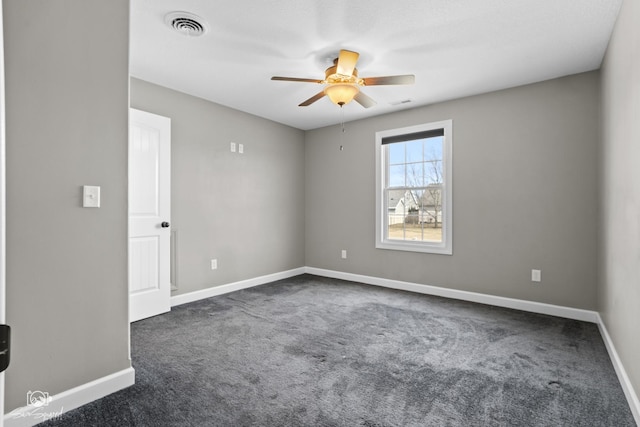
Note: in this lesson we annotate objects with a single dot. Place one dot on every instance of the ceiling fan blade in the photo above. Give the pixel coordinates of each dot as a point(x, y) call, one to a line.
point(364, 100)
point(313, 99)
point(295, 79)
point(347, 62)
point(407, 79)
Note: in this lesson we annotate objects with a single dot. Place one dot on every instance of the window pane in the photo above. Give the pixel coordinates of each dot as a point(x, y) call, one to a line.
point(415, 175)
point(418, 195)
point(396, 153)
point(414, 150)
point(397, 176)
point(433, 148)
point(433, 172)
point(395, 214)
point(413, 218)
point(431, 215)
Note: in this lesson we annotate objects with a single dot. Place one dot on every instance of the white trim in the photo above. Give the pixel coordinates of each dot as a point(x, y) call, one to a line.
point(235, 286)
point(446, 246)
point(27, 416)
point(625, 382)
point(99, 388)
point(517, 304)
point(3, 163)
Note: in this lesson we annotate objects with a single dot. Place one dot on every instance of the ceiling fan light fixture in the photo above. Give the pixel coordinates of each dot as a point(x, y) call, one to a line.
point(341, 93)
point(342, 84)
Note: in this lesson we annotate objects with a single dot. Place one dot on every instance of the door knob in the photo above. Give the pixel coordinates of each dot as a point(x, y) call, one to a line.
point(164, 224)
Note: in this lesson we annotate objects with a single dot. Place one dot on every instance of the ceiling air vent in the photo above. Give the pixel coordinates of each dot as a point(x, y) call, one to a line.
point(186, 23)
point(404, 101)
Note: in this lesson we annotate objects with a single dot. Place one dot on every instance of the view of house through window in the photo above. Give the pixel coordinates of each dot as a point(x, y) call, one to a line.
point(413, 188)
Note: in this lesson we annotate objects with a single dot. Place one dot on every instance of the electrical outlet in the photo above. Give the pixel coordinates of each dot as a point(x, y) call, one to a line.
point(536, 275)
point(214, 264)
point(344, 254)
point(232, 146)
point(240, 148)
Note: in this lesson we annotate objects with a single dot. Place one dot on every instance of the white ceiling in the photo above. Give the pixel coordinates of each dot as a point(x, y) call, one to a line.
point(455, 48)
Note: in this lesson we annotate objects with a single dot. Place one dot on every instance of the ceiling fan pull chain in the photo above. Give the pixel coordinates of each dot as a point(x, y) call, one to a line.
point(342, 126)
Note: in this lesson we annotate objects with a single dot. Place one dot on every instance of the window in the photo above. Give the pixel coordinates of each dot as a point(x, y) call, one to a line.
point(413, 188)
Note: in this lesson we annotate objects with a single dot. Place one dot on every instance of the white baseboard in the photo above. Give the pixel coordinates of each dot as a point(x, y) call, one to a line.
point(518, 304)
point(28, 416)
point(78, 396)
point(625, 382)
point(530, 306)
point(235, 286)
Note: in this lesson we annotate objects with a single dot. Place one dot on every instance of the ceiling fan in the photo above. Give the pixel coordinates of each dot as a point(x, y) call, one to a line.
point(343, 84)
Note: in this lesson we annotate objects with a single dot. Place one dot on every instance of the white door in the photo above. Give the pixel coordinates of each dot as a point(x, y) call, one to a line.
point(149, 214)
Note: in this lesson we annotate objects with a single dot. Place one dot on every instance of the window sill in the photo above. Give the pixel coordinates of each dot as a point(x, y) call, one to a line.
point(436, 248)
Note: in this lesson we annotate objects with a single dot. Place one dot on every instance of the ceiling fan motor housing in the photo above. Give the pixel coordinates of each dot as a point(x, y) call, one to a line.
point(332, 76)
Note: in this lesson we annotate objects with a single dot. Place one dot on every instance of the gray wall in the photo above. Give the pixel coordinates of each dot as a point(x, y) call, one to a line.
point(525, 174)
point(525, 195)
point(619, 290)
point(245, 210)
point(66, 111)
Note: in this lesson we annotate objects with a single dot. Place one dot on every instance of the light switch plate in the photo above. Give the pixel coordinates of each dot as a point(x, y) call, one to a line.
point(90, 196)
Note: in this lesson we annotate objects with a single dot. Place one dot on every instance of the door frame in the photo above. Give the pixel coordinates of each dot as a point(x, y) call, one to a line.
point(3, 264)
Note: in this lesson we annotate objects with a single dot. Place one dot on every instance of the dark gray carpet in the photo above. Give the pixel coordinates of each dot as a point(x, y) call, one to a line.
point(311, 351)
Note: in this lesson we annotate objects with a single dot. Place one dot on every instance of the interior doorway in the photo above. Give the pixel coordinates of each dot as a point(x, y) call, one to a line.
point(149, 214)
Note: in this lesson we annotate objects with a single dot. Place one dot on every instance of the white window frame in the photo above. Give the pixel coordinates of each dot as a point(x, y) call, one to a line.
point(446, 246)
